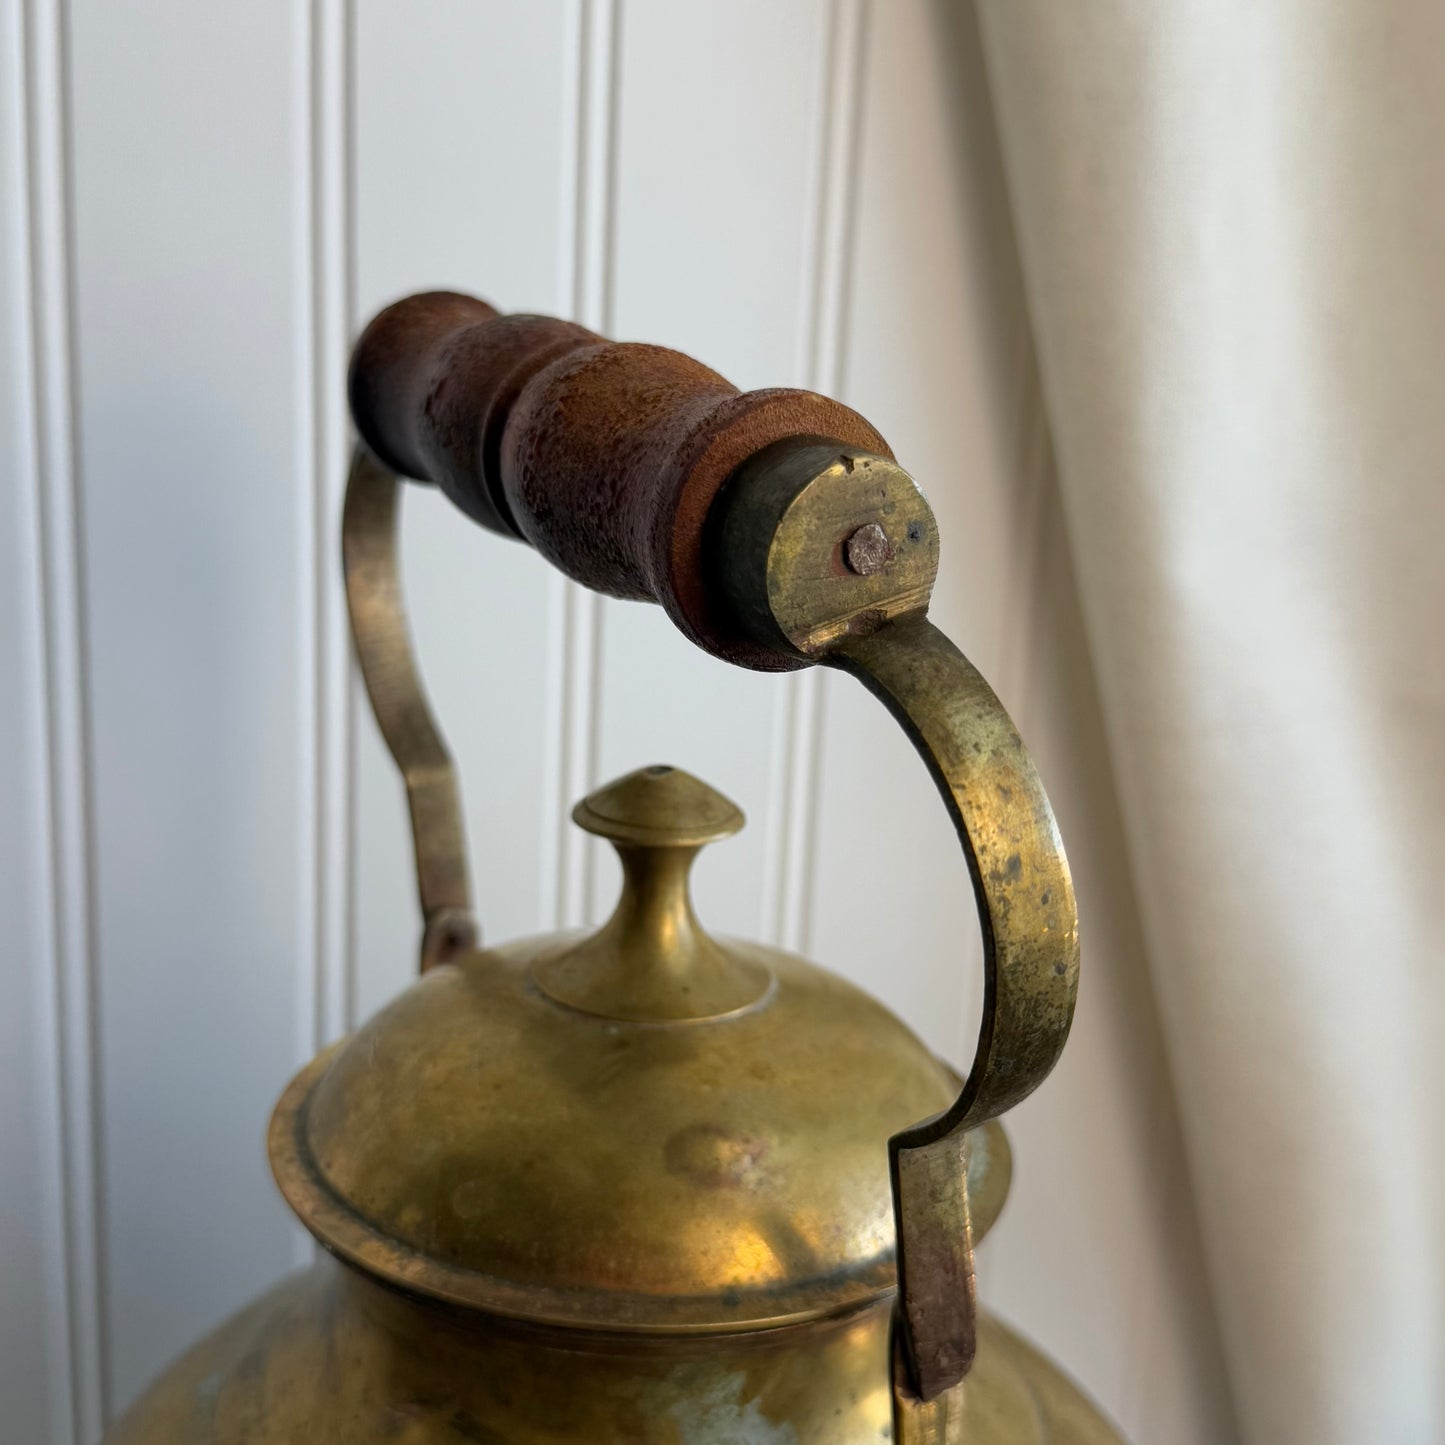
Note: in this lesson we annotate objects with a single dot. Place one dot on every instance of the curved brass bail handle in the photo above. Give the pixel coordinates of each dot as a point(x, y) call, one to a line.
point(1031, 961)
point(383, 648)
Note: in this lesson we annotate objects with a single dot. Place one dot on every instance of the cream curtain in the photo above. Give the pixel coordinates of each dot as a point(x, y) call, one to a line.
point(1232, 221)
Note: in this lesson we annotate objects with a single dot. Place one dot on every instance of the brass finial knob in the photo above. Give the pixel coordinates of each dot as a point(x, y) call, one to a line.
point(659, 807)
point(652, 961)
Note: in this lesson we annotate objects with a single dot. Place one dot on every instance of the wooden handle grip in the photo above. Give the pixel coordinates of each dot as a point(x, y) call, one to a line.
point(605, 456)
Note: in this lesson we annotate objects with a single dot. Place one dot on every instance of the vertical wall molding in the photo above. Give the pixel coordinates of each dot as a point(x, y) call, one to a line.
point(67, 822)
point(1034, 470)
point(325, 312)
point(788, 876)
point(588, 233)
point(62, 1403)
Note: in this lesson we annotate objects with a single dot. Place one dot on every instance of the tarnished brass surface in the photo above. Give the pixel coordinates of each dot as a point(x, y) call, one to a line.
point(1031, 958)
point(327, 1356)
point(483, 1144)
point(383, 648)
point(1014, 854)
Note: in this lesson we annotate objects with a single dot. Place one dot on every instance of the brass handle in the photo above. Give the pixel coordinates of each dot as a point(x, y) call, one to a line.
point(831, 555)
point(777, 531)
point(1031, 963)
point(383, 648)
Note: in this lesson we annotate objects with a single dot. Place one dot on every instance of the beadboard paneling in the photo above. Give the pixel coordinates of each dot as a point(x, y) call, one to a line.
point(184, 136)
point(45, 1396)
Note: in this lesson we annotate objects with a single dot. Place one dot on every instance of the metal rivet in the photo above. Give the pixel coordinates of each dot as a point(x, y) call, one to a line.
point(867, 549)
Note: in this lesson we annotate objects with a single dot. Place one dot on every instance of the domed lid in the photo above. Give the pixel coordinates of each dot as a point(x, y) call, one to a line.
point(643, 1128)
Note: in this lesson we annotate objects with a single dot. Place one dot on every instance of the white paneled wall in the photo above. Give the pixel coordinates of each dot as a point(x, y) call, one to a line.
point(204, 867)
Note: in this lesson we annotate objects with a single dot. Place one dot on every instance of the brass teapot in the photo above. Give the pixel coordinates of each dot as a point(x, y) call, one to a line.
point(646, 1185)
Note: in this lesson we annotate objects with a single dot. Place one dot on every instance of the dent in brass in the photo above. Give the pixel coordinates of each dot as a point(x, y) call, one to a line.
point(653, 962)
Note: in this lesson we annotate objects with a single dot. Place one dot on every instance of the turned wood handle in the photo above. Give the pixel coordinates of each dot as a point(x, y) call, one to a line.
point(606, 456)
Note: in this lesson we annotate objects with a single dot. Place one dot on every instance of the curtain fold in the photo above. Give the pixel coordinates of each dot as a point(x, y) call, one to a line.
point(1232, 226)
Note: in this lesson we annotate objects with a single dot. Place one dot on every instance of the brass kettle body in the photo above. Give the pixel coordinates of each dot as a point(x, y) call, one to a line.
point(648, 1185)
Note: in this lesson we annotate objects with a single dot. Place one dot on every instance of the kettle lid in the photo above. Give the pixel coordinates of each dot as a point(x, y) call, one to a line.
point(639, 1129)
